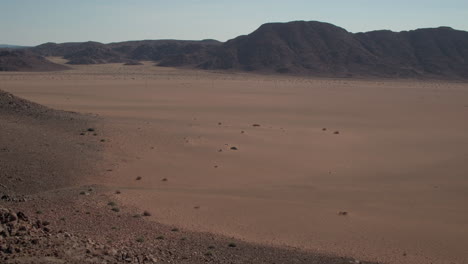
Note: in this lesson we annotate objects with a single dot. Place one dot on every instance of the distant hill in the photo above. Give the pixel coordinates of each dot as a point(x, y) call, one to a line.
point(7, 46)
point(23, 60)
point(299, 47)
point(324, 49)
point(156, 50)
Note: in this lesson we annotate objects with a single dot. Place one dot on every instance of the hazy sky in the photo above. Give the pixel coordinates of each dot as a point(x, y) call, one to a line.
point(32, 22)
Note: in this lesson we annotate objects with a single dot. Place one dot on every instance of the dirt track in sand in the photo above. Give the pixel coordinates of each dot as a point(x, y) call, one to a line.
point(397, 165)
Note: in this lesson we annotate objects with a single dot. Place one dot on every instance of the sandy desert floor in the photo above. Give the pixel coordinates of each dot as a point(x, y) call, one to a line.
point(393, 154)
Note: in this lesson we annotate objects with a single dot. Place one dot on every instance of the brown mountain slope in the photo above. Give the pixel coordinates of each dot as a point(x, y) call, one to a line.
point(155, 50)
point(21, 60)
point(299, 47)
point(324, 49)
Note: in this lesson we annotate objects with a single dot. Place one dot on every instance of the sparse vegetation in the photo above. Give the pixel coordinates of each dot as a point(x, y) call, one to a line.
point(115, 209)
point(160, 237)
point(111, 204)
point(232, 245)
point(140, 240)
point(146, 213)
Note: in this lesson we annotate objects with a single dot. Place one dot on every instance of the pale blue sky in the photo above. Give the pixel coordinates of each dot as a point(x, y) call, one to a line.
point(32, 22)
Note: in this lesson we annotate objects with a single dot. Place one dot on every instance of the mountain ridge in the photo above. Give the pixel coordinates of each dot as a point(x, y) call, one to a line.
point(298, 47)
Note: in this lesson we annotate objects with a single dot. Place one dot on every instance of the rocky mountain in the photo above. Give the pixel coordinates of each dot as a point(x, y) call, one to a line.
point(324, 49)
point(299, 47)
point(182, 52)
point(22, 60)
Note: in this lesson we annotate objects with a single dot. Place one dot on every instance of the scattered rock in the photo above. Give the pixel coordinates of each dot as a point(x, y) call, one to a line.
point(343, 213)
point(256, 125)
point(138, 178)
point(234, 148)
point(164, 179)
point(336, 132)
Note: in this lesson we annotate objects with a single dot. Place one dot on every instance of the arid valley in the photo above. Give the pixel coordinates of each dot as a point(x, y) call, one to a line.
point(372, 169)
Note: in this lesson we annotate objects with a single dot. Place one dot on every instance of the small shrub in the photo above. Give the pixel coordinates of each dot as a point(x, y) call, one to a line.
point(160, 237)
point(115, 209)
point(175, 229)
point(138, 178)
point(146, 213)
point(232, 245)
point(140, 240)
point(91, 129)
point(111, 204)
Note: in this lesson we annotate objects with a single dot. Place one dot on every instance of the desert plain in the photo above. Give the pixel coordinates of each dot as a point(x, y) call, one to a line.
point(373, 169)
